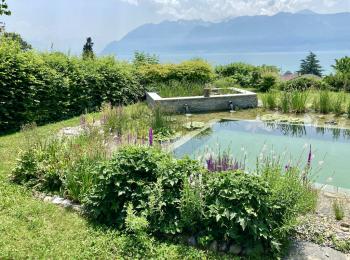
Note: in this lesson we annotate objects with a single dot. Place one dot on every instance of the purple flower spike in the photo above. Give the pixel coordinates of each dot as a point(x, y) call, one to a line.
point(309, 157)
point(150, 137)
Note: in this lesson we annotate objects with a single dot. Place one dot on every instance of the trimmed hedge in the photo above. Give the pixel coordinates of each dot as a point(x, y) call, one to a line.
point(195, 71)
point(48, 87)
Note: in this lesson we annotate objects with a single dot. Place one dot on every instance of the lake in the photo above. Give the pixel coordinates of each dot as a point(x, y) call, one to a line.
point(283, 60)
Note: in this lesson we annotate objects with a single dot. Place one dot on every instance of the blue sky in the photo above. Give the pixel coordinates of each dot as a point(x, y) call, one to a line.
point(66, 23)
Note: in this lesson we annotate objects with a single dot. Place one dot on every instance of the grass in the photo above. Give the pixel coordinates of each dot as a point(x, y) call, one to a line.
point(338, 209)
point(30, 228)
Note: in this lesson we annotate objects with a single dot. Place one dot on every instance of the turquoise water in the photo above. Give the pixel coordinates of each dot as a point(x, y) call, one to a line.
point(249, 140)
point(283, 60)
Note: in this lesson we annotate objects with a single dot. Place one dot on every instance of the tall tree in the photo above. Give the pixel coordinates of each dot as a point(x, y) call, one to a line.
point(88, 52)
point(311, 65)
point(4, 8)
point(17, 37)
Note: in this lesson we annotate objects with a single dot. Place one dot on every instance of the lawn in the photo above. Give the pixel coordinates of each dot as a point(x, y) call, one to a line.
point(30, 228)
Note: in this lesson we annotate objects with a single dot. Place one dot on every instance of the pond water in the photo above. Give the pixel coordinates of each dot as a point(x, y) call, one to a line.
point(249, 140)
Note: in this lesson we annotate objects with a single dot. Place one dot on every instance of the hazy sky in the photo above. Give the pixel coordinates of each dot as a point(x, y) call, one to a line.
point(66, 23)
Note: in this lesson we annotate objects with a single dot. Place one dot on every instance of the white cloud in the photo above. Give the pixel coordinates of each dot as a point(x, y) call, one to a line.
point(220, 9)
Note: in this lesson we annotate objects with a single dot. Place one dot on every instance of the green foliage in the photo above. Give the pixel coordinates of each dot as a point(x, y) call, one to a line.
point(178, 89)
point(65, 166)
point(341, 79)
point(285, 98)
point(298, 101)
point(324, 102)
point(142, 58)
point(88, 52)
point(303, 83)
point(348, 109)
point(338, 101)
point(48, 87)
point(25, 46)
point(162, 123)
point(342, 65)
point(194, 71)
point(268, 82)
point(269, 100)
point(247, 76)
point(338, 209)
point(311, 65)
point(127, 178)
point(240, 203)
point(138, 244)
point(4, 8)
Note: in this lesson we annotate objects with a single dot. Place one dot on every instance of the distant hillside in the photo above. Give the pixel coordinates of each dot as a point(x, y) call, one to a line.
point(301, 31)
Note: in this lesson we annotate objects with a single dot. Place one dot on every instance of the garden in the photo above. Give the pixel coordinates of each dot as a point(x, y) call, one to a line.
point(76, 132)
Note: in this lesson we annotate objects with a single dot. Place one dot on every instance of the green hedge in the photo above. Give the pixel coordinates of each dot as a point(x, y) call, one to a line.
point(42, 88)
point(194, 71)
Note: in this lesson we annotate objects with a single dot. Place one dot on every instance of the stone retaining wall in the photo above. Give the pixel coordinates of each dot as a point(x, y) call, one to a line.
point(243, 99)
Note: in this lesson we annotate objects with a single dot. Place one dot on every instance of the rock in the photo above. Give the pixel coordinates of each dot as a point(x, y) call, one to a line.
point(223, 247)
point(344, 229)
point(330, 195)
point(57, 200)
point(345, 225)
point(213, 246)
point(235, 249)
point(48, 199)
point(66, 203)
point(192, 241)
point(193, 125)
point(77, 208)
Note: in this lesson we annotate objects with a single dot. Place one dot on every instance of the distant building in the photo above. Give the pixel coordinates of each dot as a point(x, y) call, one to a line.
point(289, 76)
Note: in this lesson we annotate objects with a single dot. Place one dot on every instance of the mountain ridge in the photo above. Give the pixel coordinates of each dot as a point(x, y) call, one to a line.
point(305, 30)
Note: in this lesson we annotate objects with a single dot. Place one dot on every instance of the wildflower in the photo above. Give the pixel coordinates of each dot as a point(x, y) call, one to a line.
point(150, 136)
point(309, 158)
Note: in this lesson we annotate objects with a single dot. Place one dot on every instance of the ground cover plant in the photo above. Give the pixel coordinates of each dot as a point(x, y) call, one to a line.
point(141, 190)
point(31, 228)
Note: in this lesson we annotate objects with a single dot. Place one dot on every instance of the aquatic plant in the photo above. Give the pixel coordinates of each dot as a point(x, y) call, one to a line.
point(298, 101)
point(325, 103)
point(222, 162)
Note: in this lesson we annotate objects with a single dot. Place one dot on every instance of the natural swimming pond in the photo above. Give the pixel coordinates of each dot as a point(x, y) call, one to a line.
point(249, 140)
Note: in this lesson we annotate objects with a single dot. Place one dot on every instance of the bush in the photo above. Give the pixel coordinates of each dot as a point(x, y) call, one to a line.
point(238, 210)
point(268, 82)
point(303, 83)
point(339, 81)
point(194, 71)
point(246, 75)
point(43, 88)
point(128, 177)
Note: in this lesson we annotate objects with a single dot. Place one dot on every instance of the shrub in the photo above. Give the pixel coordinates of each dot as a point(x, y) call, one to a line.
point(194, 71)
point(303, 83)
point(170, 208)
point(48, 87)
point(238, 210)
point(268, 82)
point(128, 177)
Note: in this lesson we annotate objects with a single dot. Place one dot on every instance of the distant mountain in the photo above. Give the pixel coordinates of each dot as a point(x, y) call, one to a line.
point(302, 31)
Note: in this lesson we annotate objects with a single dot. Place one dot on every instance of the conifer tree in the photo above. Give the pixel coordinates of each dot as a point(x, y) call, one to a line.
point(88, 52)
point(311, 65)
